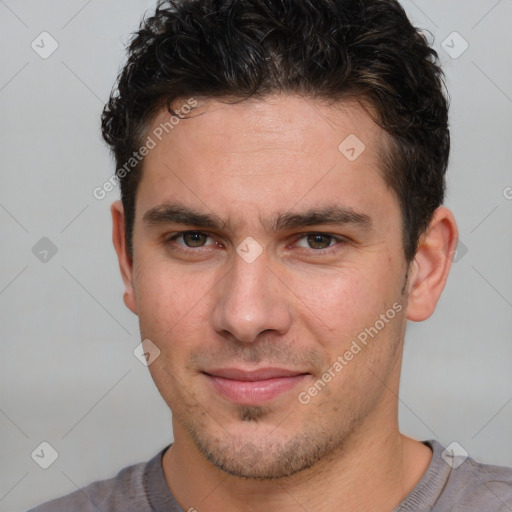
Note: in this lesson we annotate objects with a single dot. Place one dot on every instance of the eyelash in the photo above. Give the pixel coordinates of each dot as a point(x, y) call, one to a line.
point(332, 248)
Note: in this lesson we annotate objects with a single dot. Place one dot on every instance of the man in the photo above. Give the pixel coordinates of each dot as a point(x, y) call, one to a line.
point(281, 165)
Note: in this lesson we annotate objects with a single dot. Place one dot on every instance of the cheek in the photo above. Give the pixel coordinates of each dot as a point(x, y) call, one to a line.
point(344, 302)
point(167, 301)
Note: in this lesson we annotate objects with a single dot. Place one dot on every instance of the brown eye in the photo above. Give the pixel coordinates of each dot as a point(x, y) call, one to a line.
point(318, 241)
point(194, 238)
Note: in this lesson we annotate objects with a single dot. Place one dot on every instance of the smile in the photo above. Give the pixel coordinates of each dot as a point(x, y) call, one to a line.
point(253, 387)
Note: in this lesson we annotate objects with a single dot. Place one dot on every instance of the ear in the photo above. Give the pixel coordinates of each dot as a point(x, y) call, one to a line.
point(431, 266)
point(125, 261)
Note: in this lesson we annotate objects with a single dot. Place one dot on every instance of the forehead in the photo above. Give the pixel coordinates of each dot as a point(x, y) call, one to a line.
point(279, 123)
point(259, 156)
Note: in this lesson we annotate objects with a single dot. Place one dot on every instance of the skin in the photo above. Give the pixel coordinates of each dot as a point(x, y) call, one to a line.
point(299, 305)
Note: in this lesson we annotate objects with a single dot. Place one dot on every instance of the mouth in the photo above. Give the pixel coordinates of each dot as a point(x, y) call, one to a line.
point(255, 387)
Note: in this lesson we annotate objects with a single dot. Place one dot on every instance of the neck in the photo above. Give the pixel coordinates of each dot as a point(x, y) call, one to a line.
point(373, 471)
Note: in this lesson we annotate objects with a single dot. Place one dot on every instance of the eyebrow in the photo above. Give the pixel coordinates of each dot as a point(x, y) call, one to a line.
point(176, 213)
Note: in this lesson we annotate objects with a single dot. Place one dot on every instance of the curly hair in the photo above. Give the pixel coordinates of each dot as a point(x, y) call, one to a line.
point(324, 49)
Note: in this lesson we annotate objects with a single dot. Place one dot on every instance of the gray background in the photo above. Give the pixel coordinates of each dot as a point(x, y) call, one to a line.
point(68, 374)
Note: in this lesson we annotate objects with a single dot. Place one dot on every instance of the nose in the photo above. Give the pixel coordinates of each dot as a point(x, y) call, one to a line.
point(251, 299)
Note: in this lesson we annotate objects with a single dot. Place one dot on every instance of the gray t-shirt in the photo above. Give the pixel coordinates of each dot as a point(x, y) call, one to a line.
point(470, 487)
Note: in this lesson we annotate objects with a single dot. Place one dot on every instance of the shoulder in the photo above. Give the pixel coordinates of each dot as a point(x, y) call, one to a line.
point(123, 493)
point(474, 486)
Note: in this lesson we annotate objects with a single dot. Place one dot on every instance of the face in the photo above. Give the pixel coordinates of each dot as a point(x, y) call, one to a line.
point(268, 271)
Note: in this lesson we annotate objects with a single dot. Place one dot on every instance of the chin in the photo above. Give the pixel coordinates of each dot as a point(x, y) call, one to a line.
point(261, 453)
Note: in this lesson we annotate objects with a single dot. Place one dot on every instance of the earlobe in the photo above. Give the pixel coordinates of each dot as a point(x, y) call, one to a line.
point(431, 266)
point(125, 262)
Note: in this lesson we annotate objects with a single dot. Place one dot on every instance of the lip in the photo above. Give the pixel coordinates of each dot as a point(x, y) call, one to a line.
point(253, 387)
